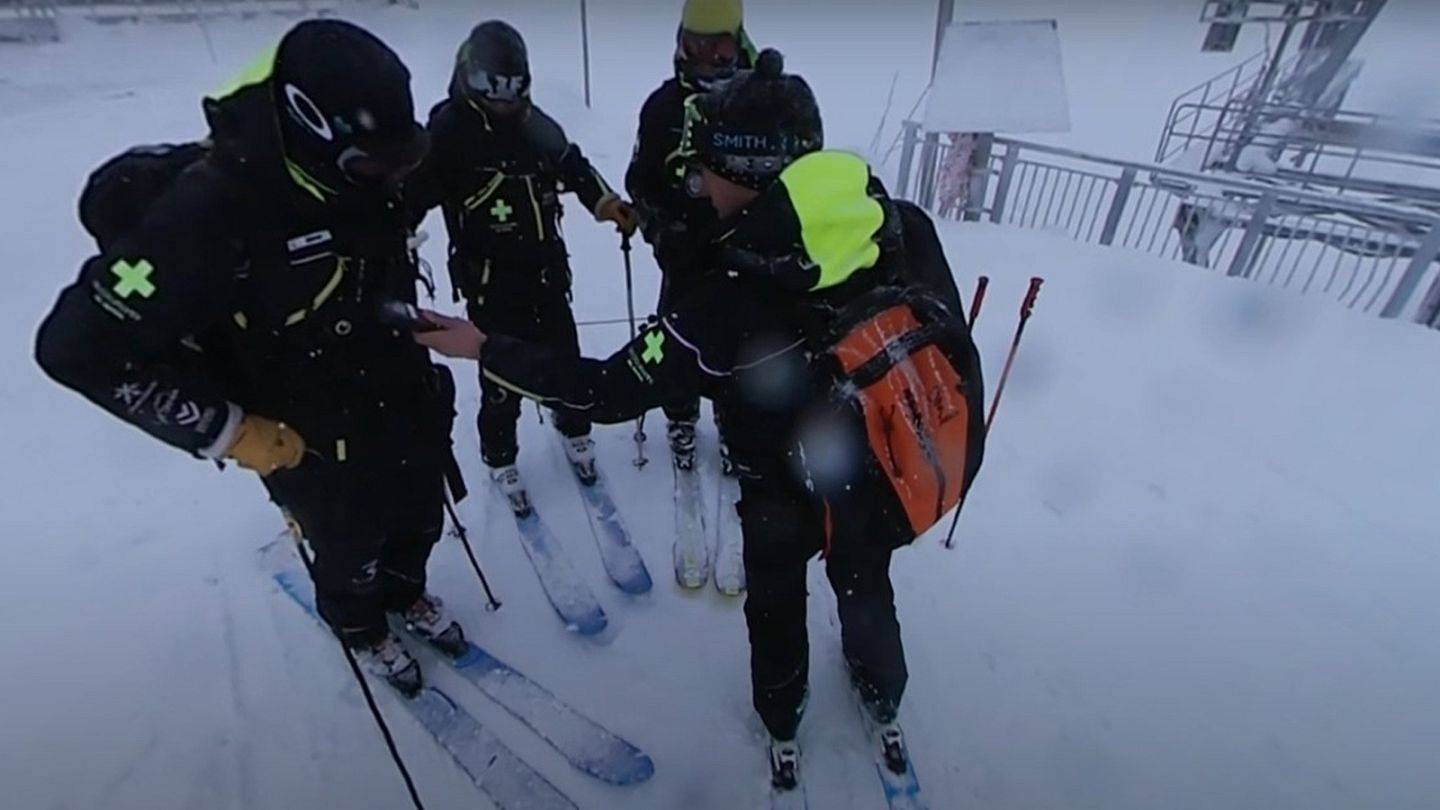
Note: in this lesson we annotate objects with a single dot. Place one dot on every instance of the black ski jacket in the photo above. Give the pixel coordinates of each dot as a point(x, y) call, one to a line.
point(674, 222)
point(498, 183)
point(740, 338)
point(250, 288)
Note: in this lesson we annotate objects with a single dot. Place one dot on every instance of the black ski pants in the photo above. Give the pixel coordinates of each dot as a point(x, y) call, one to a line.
point(782, 532)
point(546, 320)
point(371, 524)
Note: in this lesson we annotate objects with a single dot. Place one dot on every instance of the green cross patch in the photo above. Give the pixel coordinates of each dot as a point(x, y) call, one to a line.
point(654, 353)
point(502, 211)
point(133, 278)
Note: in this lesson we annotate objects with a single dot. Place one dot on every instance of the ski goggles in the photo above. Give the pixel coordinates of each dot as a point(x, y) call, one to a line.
point(714, 51)
point(384, 162)
point(497, 88)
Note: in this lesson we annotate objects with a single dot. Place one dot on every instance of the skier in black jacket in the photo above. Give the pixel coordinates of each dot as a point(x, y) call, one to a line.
point(497, 166)
point(710, 45)
point(243, 318)
point(806, 231)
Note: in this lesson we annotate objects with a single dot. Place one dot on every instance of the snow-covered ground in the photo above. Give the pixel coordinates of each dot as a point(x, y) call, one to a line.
point(1197, 570)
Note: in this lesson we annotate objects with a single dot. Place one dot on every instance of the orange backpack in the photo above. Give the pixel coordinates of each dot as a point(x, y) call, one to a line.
point(905, 381)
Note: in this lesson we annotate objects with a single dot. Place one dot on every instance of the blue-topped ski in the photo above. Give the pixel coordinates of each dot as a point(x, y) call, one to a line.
point(568, 594)
point(587, 745)
point(495, 769)
point(621, 559)
point(902, 790)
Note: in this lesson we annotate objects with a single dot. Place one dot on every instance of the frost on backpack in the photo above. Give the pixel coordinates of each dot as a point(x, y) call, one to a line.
point(905, 407)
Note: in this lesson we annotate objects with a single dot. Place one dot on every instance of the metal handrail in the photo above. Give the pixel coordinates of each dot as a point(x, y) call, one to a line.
point(1321, 201)
point(1370, 256)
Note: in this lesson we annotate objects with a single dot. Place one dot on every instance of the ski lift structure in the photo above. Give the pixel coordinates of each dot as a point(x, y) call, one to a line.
point(1286, 124)
point(1252, 166)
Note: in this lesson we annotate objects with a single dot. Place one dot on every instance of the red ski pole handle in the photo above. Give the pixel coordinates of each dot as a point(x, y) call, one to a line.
point(1029, 303)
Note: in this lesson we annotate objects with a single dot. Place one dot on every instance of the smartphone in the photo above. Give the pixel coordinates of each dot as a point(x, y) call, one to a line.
point(404, 315)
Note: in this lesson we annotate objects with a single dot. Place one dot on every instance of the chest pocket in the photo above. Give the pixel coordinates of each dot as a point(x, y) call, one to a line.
point(307, 300)
point(511, 203)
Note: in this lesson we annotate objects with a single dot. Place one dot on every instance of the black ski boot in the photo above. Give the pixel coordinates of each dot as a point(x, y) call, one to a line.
point(784, 764)
point(892, 748)
point(682, 444)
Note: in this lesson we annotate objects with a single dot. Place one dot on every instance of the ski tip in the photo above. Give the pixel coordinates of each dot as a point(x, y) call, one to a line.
point(636, 587)
point(590, 625)
point(640, 769)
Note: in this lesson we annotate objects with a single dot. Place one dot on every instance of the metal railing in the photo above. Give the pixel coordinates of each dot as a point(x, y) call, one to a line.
point(1338, 152)
point(28, 21)
point(1196, 111)
point(1366, 255)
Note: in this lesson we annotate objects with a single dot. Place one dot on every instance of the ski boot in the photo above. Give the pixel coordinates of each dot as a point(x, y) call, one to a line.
point(892, 747)
point(682, 444)
point(389, 659)
point(507, 478)
point(784, 764)
point(580, 451)
point(429, 619)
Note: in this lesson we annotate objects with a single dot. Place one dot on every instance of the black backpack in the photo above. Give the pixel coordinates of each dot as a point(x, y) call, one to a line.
point(122, 189)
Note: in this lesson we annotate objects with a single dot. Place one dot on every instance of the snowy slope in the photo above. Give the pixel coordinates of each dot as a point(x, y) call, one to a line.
point(1195, 573)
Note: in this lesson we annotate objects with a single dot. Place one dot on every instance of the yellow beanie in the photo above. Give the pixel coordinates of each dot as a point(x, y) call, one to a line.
point(713, 16)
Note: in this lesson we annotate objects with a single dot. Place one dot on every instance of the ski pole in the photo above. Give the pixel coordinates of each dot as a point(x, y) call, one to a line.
point(365, 688)
point(640, 460)
point(458, 530)
point(1026, 307)
point(975, 303)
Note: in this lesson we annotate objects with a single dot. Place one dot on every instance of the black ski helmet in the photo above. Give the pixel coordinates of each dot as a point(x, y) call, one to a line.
point(492, 70)
point(345, 111)
point(752, 126)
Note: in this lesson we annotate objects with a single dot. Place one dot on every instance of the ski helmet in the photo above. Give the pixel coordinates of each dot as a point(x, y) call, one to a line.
point(492, 70)
point(752, 126)
point(345, 111)
point(710, 44)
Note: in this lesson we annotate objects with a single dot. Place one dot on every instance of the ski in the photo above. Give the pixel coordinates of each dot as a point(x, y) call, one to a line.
point(621, 559)
point(568, 594)
point(729, 543)
point(692, 551)
point(793, 799)
point(588, 746)
point(495, 769)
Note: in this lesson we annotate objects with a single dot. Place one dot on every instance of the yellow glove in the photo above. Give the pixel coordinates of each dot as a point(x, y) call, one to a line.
point(264, 445)
point(619, 212)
